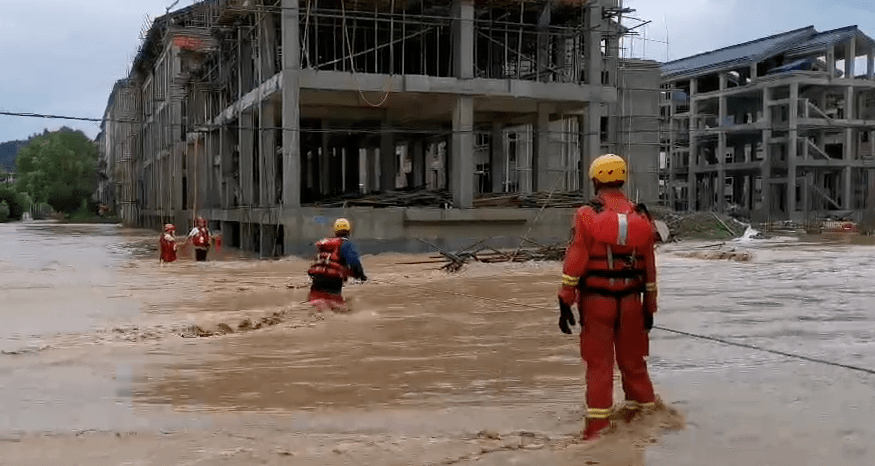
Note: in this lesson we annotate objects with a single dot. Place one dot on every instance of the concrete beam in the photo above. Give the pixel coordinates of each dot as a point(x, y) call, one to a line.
point(291, 108)
point(462, 153)
point(377, 85)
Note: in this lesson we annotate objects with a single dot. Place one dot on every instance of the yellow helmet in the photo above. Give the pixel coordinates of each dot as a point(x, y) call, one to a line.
point(341, 225)
point(608, 168)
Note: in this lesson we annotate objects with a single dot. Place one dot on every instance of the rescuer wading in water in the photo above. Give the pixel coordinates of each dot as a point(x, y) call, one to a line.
point(608, 267)
point(336, 262)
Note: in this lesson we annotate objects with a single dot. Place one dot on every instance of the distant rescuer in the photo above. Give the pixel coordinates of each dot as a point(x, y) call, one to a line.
point(608, 266)
point(200, 237)
point(167, 245)
point(337, 260)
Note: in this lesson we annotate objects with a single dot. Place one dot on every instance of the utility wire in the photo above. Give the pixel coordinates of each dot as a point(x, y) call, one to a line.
point(678, 332)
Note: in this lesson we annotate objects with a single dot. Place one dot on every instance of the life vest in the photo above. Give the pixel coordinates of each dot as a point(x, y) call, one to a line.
point(616, 262)
point(201, 238)
point(328, 263)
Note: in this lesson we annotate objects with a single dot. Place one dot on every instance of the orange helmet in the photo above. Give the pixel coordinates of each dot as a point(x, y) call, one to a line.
point(169, 227)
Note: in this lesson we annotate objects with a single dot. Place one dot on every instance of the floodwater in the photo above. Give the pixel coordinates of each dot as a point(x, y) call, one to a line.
point(103, 364)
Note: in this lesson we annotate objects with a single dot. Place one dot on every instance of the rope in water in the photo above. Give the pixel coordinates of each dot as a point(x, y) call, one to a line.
point(678, 332)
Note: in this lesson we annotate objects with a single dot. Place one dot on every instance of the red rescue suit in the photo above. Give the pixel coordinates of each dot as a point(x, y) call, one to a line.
point(328, 273)
point(611, 262)
point(168, 247)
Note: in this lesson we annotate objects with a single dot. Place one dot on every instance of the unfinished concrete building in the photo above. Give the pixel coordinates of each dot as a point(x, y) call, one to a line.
point(270, 117)
point(778, 128)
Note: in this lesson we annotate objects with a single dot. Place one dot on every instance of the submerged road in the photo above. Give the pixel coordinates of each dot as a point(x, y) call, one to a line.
point(93, 354)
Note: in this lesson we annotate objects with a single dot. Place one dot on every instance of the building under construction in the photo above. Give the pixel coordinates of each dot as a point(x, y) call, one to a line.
point(780, 128)
point(272, 117)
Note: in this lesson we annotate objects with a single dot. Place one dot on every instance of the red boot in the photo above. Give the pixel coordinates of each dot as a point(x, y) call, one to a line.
point(594, 428)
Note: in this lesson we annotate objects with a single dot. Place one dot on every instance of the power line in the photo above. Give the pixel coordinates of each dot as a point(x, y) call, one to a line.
point(678, 332)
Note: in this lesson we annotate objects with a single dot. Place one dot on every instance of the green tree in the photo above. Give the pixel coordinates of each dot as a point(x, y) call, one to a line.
point(59, 169)
point(4, 211)
point(16, 202)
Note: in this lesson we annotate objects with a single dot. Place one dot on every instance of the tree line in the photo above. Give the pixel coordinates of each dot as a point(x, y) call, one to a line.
point(57, 169)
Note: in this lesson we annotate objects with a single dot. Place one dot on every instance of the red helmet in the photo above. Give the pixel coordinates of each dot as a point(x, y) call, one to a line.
point(169, 227)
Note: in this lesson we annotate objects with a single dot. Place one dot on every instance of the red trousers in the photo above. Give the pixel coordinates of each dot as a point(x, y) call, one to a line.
point(325, 301)
point(613, 330)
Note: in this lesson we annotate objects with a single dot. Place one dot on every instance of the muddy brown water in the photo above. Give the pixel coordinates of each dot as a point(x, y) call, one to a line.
point(95, 370)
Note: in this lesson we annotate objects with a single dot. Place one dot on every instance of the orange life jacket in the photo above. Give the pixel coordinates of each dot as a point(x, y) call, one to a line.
point(616, 257)
point(202, 238)
point(328, 263)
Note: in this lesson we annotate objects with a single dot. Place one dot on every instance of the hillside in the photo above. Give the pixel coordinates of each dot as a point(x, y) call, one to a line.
point(9, 149)
point(8, 152)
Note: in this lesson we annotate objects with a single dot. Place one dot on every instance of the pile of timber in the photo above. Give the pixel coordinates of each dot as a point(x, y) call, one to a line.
point(441, 199)
point(481, 252)
point(391, 199)
point(540, 199)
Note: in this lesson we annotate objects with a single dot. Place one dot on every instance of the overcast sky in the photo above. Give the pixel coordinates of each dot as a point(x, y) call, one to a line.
point(63, 56)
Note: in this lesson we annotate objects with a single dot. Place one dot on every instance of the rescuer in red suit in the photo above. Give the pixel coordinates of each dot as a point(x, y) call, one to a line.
point(167, 244)
point(336, 262)
point(610, 275)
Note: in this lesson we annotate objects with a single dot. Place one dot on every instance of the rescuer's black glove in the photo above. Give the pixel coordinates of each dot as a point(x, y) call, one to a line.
point(648, 320)
point(566, 317)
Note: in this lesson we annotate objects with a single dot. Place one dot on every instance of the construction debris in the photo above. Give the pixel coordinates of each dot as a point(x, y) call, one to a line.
point(391, 199)
point(481, 252)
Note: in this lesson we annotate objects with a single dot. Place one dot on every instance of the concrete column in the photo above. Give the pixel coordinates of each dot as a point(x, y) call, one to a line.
point(850, 108)
point(373, 174)
point(753, 71)
point(847, 185)
point(869, 212)
point(541, 151)
point(721, 147)
point(203, 170)
point(268, 153)
point(352, 165)
point(792, 146)
point(417, 148)
point(831, 61)
point(388, 158)
point(694, 150)
point(462, 153)
point(543, 57)
point(497, 158)
point(592, 46)
point(850, 58)
point(267, 46)
point(247, 140)
point(291, 109)
point(591, 147)
point(870, 64)
point(463, 38)
point(268, 240)
point(324, 163)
